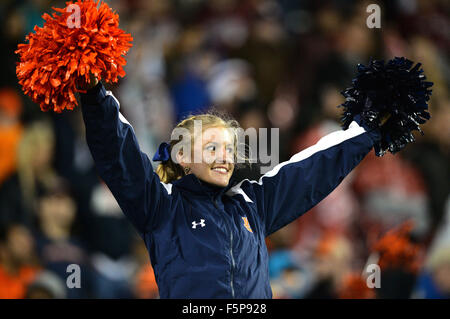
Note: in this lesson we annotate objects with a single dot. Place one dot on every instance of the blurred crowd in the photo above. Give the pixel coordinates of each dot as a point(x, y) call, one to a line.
point(269, 64)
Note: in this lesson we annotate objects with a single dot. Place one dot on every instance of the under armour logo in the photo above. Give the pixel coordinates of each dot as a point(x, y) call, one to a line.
point(202, 223)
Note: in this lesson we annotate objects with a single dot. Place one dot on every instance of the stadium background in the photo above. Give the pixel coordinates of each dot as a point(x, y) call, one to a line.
point(270, 64)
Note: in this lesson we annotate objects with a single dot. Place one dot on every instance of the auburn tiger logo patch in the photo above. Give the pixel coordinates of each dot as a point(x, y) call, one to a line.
point(247, 225)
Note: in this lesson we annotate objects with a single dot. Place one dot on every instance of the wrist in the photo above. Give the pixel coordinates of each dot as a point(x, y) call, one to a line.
point(93, 95)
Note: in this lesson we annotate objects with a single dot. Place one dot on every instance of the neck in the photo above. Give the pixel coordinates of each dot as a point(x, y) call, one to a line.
point(213, 186)
point(55, 232)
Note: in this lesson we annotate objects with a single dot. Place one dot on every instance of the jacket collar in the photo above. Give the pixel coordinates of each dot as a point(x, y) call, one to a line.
point(192, 184)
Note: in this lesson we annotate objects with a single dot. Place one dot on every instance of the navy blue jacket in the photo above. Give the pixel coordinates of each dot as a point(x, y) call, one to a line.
point(206, 241)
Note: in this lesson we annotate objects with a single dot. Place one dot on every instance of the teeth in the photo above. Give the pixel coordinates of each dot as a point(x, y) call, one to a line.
point(219, 169)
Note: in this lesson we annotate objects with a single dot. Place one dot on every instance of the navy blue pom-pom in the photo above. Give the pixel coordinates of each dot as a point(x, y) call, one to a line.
point(396, 89)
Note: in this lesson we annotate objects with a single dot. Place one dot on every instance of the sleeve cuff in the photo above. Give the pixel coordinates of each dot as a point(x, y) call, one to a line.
point(374, 133)
point(94, 95)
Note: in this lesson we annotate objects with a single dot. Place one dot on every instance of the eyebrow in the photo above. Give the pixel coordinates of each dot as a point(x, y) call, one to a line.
point(215, 143)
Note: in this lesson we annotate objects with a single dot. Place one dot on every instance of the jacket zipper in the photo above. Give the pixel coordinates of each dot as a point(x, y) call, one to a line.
point(233, 264)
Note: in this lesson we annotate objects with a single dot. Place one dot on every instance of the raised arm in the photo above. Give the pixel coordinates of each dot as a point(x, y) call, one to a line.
point(293, 187)
point(120, 163)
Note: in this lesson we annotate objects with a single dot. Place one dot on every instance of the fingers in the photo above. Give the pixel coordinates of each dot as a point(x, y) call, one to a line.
point(93, 81)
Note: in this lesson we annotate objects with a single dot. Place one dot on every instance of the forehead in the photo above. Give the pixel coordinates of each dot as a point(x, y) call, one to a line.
point(218, 135)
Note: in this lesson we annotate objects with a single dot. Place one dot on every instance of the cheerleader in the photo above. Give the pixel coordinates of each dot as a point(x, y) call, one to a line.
point(204, 231)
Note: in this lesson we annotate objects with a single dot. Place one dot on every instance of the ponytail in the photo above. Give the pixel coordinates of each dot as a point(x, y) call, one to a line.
point(169, 171)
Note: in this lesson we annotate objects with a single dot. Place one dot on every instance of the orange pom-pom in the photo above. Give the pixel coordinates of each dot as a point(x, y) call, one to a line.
point(396, 250)
point(81, 39)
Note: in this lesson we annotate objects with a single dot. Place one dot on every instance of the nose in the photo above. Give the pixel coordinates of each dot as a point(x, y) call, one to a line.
point(221, 155)
point(224, 156)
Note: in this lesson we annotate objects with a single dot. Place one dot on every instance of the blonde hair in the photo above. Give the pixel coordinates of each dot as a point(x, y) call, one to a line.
point(36, 136)
point(170, 171)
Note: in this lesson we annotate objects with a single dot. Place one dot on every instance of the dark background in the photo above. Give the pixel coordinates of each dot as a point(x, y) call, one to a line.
point(269, 64)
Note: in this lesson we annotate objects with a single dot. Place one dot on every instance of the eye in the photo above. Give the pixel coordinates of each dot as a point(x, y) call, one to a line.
point(210, 148)
point(230, 150)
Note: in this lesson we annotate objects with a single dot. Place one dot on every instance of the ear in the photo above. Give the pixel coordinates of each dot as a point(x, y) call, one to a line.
point(180, 159)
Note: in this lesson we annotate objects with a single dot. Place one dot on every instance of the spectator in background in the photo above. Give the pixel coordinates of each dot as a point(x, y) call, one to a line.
point(56, 247)
point(46, 285)
point(333, 261)
point(290, 277)
point(431, 154)
point(189, 92)
point(111, 255)
point(34, 171)
point(10, 131)
point(434, 282)
point(18, 265)
point(143, 281)
point(144, 92)
point(392, 190)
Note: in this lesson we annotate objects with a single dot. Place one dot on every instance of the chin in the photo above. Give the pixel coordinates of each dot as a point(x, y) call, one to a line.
point(220, 181)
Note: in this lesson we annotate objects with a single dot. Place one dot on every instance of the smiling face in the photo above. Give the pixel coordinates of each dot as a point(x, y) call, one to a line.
point(217, 146)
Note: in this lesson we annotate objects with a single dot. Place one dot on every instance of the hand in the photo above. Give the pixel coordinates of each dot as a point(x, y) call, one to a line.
point(93, 81)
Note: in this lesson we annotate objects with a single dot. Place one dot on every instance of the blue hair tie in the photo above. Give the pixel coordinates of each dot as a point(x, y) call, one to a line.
point(163, 153)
